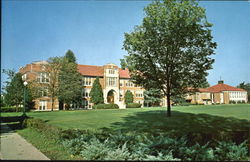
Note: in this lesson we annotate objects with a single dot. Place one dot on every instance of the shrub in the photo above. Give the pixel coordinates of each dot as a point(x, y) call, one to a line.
point(232, 102)
point(133, 105)
point(41, 126)
point(11, 109)
point(106, 106)
point(230, 151)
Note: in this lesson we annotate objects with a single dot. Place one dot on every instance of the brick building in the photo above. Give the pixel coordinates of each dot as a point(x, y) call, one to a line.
point(114, 81)
point(218, 94)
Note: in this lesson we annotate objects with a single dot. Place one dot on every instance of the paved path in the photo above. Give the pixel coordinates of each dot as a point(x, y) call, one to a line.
point(15, 147)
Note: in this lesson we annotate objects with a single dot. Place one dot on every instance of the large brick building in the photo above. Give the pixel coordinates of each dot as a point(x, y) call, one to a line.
point(114, 81)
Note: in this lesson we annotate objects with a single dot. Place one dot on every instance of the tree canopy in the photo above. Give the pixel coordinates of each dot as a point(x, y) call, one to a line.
point(129, 98)
point(171, 50)
point(152, 97)
point(96, 94)
point(245, 86)
point(70, 80)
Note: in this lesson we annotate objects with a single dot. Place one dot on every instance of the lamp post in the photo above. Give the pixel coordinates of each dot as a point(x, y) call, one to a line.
point(24, 98)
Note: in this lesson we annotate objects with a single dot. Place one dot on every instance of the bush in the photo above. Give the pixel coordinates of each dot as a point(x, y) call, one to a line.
point(11, 109)
point(133, 105)
point(232, 102)
point(42, 126)
point(103, 145)
point(230, 151)
point(106, 106)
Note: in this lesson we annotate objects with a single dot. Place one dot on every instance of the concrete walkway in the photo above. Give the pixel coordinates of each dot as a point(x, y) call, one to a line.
point(15, 147)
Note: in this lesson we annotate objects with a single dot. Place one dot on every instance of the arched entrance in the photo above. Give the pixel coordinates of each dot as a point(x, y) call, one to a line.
point(111, 97)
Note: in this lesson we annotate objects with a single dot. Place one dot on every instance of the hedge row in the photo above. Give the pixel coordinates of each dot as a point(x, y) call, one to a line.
point(133, 105)
point(106, 106)
point(11, 109)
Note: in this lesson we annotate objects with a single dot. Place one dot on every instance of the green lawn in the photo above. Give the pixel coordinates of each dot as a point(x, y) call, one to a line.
point(94, 119)
point(202, 122)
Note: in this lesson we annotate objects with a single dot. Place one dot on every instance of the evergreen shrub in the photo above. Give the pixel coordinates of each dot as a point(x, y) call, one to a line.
point(133, 105)
point(106, 106)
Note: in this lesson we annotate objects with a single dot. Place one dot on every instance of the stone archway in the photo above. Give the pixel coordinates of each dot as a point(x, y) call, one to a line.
point(111, 97)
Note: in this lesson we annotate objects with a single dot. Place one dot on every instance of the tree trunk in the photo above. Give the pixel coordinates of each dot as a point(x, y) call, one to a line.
point(168, 106)
point(52, 107)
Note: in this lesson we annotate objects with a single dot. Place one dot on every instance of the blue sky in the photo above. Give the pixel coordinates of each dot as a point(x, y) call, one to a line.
point(94, 31)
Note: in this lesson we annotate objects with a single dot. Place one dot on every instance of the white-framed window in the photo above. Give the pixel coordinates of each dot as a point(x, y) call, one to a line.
point(43, 77)
point(42, 105)
point(129, 84)
point(86, 92)
point(138, 94)
point(87, 81)
point(111, 71)
point(24, 76)
point(112, 81)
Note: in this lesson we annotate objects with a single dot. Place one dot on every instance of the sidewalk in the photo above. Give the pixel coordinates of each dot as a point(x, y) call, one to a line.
point(15, 147)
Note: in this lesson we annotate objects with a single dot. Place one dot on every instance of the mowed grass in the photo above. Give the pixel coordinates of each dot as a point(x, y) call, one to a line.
point(138, 117)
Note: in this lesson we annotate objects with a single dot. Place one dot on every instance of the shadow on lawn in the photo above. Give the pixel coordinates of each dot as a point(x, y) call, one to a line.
point(14, 122)
point(199, 128)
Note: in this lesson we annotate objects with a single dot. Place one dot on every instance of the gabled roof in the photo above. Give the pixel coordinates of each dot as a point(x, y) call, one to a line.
point(223, 87)
point(92, 70)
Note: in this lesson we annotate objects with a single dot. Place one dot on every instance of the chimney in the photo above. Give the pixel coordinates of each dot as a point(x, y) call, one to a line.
point(220, 82)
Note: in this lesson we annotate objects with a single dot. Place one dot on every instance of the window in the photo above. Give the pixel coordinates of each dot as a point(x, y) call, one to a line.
point(24, 77)
point(87, 81)
point(121, 83)
point(129, 84)
point(42, 105)
point(43, 92)
point(85, 93)
point(111, 71)
point(112, 81)
point(43, 77)
point(139, 94)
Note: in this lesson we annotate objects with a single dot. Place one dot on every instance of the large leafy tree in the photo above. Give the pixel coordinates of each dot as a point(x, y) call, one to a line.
point(14, 90)
point(52, 69)
point(96, 94)
point(171, 50)
point(152, 97)
point(70, 86)
point(245, 86)
point(129, 97)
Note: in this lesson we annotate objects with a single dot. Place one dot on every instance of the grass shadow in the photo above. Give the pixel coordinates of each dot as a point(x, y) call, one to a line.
point(201, 128)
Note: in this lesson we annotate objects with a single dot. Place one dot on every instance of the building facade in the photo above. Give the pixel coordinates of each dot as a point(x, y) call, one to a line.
point(114, 81)
point(218, 94)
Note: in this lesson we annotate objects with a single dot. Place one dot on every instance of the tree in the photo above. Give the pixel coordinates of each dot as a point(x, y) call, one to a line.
point(245, 86)
point(205, 84)
point(70, 85)
point(14, 89)
point(129, 98)
point(52, 69)
point(70, 56)
point(171, 50)
point(152, 97)
point(96, 94)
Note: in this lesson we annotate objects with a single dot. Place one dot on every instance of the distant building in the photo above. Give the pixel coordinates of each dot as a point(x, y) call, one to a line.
point(218, 94)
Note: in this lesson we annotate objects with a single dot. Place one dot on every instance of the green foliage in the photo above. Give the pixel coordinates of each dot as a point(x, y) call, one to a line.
point(53, 69)
point(134, 146)
point(96, 94)
point(14, 90)
point(226, 151)
point(152, 97)
point(70, 86)
point(232, 102)
point(245, 86)
point(11, 109)
point(106, 106)
point(70, 56)
point(172, 48)
point(2, 102)
point(129, 98)
point(43, 127)
point(133, 105)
